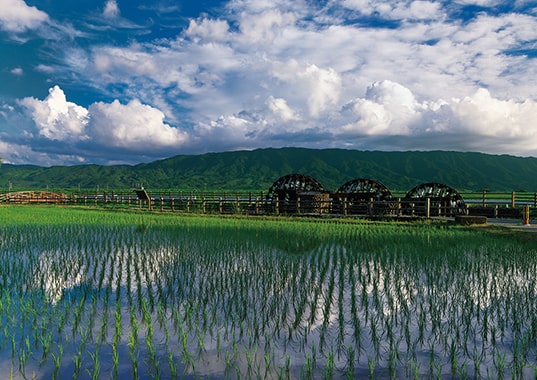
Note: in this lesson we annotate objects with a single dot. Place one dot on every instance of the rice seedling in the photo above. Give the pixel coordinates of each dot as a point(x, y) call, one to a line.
point(262, 297)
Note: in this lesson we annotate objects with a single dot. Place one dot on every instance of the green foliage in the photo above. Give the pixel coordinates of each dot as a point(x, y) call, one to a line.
point(257, 170)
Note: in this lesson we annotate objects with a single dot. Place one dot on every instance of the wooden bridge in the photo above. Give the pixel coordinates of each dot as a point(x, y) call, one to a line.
point(34, 197)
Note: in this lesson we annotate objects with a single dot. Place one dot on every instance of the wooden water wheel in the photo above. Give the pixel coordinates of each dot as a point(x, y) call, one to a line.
point(363, 196)
point(298, 193)
point(443, 200)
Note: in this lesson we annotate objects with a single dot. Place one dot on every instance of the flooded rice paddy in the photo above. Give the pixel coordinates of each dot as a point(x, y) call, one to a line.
point(190, 297)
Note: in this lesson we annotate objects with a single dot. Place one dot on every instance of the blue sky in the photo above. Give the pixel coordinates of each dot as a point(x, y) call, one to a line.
point(128, 81)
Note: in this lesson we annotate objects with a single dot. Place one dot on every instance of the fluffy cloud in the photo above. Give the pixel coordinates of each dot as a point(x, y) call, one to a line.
point(56, 118)
point(208, 30)
point(481, 3)
point(111, 9)
point(17, 71)
point(17, 16)
point(414, 10)
point(221, 69)
point(133, 126)
point(476, 122)
point(281, 109)
point(403, 74)
point(388, 108)
point(265, 27)
point(320, 87)
point(484, 115)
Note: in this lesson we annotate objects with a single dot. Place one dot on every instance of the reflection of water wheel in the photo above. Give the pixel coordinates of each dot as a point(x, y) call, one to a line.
point(444, 200)
point(363, 196)
point(292, 187)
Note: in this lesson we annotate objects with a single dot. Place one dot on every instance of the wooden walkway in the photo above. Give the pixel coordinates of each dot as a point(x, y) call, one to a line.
point(34, 197)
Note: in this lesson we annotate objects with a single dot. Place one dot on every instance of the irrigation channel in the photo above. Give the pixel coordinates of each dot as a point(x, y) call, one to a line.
point(92, 294)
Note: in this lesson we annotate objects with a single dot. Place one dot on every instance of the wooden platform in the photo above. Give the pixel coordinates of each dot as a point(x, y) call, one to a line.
point(34, 197)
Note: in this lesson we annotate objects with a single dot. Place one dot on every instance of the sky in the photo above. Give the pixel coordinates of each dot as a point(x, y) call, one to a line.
point(129, 81)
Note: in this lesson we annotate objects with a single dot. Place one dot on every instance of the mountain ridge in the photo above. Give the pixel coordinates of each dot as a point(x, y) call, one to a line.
point(258, 169)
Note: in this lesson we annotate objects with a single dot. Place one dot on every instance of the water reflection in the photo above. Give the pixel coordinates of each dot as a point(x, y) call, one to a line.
point(196, 303)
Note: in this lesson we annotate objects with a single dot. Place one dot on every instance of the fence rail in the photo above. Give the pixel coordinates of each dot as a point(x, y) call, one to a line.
point(490, 204)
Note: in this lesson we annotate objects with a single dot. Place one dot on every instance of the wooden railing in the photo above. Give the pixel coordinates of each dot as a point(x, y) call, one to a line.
point(490, 204)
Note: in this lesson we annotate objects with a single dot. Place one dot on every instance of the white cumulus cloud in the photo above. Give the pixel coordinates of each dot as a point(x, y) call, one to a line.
point(208, 30)
point(56, 118)
point(476, 122)
point(414, 10)
point(280, 108)
point(364, 74)
point(111, 9)
point(482, 114)
point(17, 16)
point(388, 108)
point(17, 71)
point(265, 26)
point(320, 87)
point(133, 126)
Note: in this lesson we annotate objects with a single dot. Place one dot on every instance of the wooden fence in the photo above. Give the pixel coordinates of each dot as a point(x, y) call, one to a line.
point(497, 204)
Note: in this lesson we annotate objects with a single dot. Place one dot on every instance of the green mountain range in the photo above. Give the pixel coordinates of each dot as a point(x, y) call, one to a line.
point(256, 171)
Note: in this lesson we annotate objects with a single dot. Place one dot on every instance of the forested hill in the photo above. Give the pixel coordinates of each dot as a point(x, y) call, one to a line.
point(258, 169)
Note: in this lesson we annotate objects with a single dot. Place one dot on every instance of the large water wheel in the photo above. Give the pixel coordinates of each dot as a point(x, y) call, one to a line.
point(443, 200)
point(363, 196)
point(298, 193)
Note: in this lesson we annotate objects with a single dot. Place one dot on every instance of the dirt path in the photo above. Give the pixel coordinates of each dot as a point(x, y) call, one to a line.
point(513, 223)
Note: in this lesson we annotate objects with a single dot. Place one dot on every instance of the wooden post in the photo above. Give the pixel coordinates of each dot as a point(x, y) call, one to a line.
point(298, 204)
point(427, 207)
point(277, 205)
point(513, 199)
point(484, 198)
point(172, 202)
point(526, 219)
